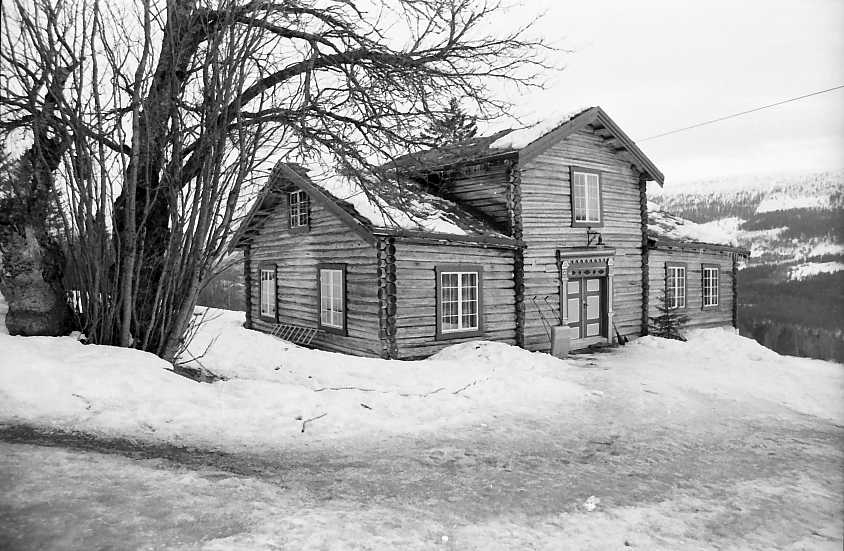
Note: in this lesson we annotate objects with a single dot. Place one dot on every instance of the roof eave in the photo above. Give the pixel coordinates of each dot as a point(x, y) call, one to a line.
point(667, 242)
point(503, 241)
point(580, 121)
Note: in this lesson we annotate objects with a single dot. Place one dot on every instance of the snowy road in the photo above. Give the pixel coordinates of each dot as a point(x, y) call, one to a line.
point(716, 474)
point(715, 443)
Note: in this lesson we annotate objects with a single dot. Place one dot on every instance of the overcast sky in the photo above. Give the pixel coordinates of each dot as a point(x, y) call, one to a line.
point(655, 66)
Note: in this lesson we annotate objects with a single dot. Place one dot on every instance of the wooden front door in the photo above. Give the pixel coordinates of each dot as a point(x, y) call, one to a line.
point(587, 310)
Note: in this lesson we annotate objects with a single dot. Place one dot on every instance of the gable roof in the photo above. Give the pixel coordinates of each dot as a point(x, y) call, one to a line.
point(378, 210)
point(667, 229)
point(531, 141)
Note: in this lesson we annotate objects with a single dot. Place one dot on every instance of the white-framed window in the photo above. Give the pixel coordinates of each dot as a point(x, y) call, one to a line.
point(710, 285)
point(459, 301)
point(675, 286)
point(332, 299)
point(268, 298)
point(299, 208)
point(586, 197)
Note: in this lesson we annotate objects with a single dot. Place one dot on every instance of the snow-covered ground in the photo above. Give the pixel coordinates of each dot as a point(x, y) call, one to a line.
point(809, 269)
point(274, 387)
point(717, 443)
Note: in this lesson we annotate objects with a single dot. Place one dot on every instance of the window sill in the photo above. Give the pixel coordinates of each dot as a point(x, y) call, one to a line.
point(334, 330)
point(299, 229)
point(580, 224)
point(451, 335)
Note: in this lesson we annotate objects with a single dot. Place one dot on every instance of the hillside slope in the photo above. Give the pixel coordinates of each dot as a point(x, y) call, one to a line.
point(791, 291)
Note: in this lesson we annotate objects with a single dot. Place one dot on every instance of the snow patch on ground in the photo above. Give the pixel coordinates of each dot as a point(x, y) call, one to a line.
point(721, 363)
point(826, 247)
point(787, 201)
point(810, 269)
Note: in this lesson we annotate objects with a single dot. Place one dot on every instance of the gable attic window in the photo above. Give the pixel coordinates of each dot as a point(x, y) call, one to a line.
point(710, 285)
point(585, 198)
point(299, 207)
point(332, 297)
point(459, 300)
point(268, 292)
point(675, 286)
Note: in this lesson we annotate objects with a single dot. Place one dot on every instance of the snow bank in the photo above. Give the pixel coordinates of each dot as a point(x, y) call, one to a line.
point(723, 364)
point(810, 269)
point(666, 225)
point(273, 388)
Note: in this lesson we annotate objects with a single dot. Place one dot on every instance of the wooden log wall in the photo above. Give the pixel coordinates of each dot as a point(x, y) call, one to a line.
point(693, 259)
point(514, 203)
point(646, 284)
point(387, 301)
point(416, 289)
point(546, 220)
point(482, 187)
point(297, 255)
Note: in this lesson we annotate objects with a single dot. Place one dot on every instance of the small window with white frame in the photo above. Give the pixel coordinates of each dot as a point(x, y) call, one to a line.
point(268, 292)
point(710, 285)
point(675, 286)
point(586, 198)
point(299, 209)
point(460, 300)
point(332, 297)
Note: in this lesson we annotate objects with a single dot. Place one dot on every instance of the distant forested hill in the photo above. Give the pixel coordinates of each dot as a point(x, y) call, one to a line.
point(791, 292)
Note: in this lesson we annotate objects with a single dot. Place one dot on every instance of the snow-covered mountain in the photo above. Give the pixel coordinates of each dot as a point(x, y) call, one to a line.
point(792, 288)
point(782, 219)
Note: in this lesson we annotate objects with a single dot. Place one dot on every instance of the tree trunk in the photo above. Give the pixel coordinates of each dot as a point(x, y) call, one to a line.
point(32, 285)
point(147, 242)
point(31, 261)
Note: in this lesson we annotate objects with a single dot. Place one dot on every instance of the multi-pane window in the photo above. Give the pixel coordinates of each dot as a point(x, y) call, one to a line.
point(459, 301)
point(710, 286)
point(298, 209)
point(332, 300)
point(675, 287)
point(586, 197)
point(268, 292)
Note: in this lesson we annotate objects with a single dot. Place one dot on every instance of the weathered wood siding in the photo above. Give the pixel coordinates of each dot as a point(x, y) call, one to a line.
point(694, 259)
point(416, 290)
point(296, 256)
point(483, 188)
point(546, 219)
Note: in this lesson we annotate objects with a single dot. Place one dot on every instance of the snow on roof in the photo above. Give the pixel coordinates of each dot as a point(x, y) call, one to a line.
point(500, 142)
point(522, 137)
point(406, 206)
point(662, 224)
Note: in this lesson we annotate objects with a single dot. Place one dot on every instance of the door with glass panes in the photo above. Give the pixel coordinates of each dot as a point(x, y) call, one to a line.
point(586, 302)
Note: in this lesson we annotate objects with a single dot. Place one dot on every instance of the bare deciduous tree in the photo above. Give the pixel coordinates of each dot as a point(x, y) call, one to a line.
point(173, 108)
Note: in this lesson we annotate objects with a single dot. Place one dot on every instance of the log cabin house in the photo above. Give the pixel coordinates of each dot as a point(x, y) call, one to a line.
point(501, 238)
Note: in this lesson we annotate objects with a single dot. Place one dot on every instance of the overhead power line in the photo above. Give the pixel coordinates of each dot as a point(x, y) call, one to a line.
point(734, 115)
